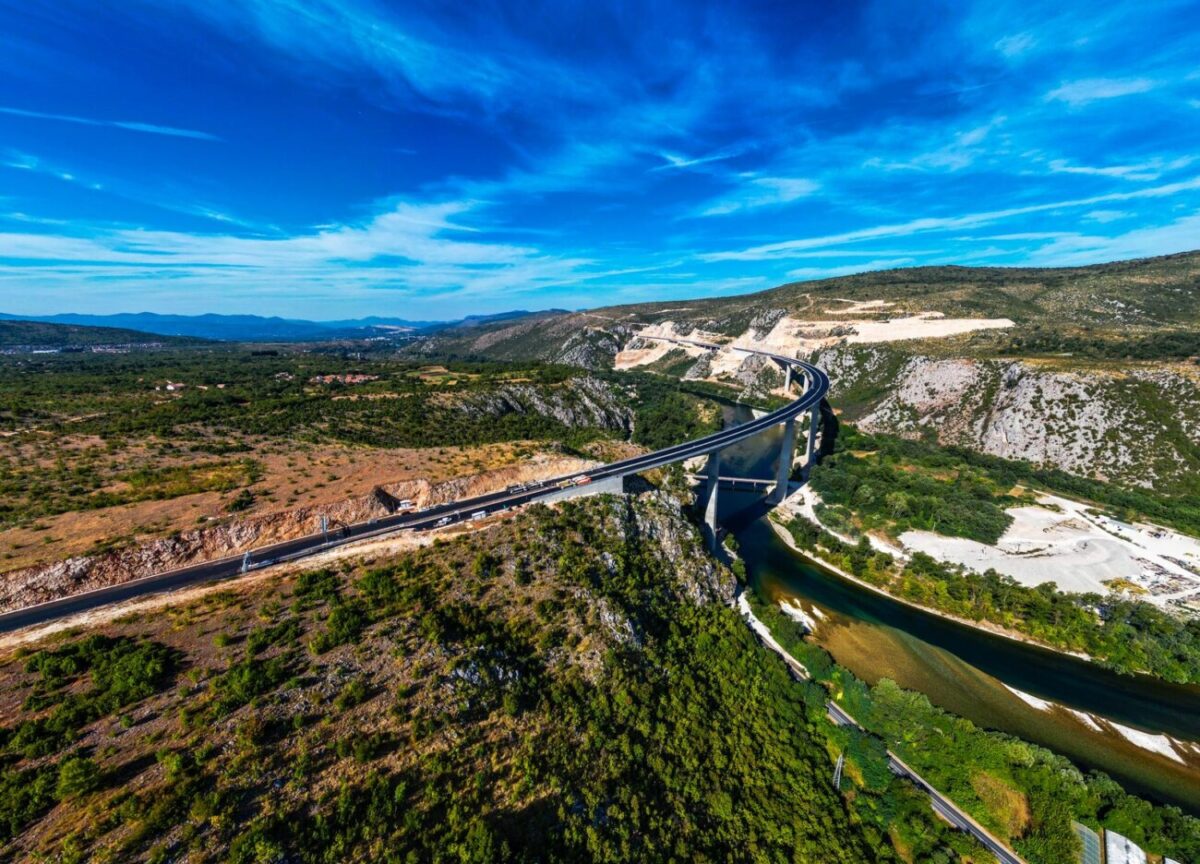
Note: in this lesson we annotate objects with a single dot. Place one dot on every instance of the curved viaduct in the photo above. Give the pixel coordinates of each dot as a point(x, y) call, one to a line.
point(603, 479)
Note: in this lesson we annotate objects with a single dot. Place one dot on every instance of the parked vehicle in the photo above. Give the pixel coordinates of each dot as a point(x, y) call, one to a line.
point(406, 504)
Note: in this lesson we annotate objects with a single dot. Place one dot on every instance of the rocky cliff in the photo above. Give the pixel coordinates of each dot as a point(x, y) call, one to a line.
point(1136, 423)
point(576, 403)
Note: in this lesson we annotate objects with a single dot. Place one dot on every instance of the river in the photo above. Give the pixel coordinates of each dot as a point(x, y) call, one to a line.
point(965, 670)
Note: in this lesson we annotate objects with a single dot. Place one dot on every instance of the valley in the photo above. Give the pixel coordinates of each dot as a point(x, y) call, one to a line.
point(945, 489)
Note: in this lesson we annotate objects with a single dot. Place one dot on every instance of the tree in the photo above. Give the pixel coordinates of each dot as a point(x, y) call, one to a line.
point(77, 775)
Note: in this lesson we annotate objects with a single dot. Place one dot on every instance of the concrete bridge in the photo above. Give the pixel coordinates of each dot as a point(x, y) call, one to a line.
point(810, 401)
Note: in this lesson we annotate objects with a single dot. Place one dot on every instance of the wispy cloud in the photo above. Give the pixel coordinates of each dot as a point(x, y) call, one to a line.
point(348, 39)
point(1105, 216)
point(28, 162)
point(184, 204)
point(675, 161)
point(790, 248)
point(1016, 44)
point(1151, 170)
point(405, 248)
point(1076, 249)
point(130, 125)
point(964, 149)
point(761, 192)
point(1076, 93)
point(577, 173)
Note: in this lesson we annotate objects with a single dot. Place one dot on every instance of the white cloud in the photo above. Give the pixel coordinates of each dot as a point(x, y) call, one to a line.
point(1078, 249)
point(28, 162)
point(761, 192)
point(791, 248)
point(1021, 235)
point(350, 39)
point(1151, 170)
point(130, 125)
point(961, 152)
point(1016, 44)
point(407, 249)
point(1085, 90)
point(1105, 216)
point(674, 160)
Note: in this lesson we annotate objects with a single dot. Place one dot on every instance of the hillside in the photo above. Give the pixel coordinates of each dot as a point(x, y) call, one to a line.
point(1120, 299)
point(544, 691)
point(1061, 367)
point(37, 334)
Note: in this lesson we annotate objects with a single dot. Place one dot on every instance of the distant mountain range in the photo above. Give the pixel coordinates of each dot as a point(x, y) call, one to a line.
point(39, 334)
point(238, 328)
point(257, 328)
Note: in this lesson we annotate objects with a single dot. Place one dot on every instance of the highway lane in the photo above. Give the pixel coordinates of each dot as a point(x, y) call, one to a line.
point(429, 518)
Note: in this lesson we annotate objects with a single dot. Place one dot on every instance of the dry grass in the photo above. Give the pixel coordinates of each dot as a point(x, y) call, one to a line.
point(293, 476)
point(1008, 806)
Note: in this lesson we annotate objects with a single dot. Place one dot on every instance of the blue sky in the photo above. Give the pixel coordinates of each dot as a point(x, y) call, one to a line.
point(430, 159)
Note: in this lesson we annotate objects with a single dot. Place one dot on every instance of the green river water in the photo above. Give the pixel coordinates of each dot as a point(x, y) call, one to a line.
point(966, 670)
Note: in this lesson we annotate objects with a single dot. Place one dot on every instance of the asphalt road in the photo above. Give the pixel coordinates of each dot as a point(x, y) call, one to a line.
point(438, 516)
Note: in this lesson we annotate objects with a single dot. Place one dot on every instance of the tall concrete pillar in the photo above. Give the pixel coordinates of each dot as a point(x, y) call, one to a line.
point(787, 378)
point(712, 481)
point(811, 450)
point(787, 452)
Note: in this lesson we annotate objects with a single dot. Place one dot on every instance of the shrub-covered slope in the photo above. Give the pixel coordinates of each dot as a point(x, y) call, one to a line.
point(569, 686)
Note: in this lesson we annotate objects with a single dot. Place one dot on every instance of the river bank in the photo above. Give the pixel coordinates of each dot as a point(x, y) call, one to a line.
point(1096, 718)
point(988, 627)
point(907, 719)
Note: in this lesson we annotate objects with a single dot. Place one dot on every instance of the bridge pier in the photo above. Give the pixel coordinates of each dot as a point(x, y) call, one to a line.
point(787, 378)
point(811, 450)
point(787, 452)
point(712, 482)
